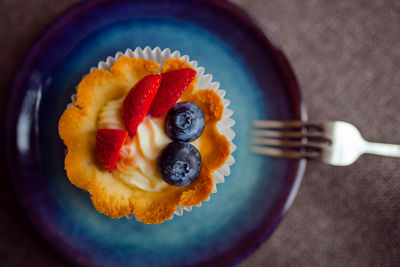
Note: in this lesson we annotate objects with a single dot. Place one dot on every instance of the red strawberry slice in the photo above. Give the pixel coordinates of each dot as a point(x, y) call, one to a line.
point(172, 86)
point(108, 145)
point(138, 101)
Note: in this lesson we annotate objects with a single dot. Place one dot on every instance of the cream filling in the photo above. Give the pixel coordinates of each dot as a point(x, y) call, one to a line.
point(137, 162)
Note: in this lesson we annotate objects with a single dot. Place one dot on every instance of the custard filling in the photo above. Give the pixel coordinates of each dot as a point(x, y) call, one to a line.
point(137, 164)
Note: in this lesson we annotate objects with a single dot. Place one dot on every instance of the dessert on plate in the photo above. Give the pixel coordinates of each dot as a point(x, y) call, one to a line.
point(148, 135)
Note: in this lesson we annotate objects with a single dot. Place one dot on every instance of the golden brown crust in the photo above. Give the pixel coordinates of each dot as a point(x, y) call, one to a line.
point(78, 126)
point(154, 211)
point(199, 190)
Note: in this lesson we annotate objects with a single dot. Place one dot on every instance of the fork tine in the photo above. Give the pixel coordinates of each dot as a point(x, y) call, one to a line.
point(272, 124)
point(288, 134)
point(277, 152)
point(285, 143)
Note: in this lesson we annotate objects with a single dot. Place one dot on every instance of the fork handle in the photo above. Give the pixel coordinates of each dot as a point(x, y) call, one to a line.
point(382, 149)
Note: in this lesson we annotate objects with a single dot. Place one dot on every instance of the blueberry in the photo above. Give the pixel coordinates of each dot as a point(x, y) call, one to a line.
point(184, 122)
point(179, 163)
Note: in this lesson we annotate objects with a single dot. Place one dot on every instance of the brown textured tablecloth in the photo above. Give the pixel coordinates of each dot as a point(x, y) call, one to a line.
point(347, 58)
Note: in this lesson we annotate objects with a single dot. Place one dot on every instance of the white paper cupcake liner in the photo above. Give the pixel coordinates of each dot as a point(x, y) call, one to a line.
point(204, 81)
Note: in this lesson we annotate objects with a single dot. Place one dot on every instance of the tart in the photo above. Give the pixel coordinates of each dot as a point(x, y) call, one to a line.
point(134, 185)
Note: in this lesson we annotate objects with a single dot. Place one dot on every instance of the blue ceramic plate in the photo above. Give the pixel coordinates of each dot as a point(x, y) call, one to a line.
point(259, 83)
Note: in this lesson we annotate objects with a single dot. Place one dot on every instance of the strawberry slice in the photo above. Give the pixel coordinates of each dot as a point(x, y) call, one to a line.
point(108, 145)
point(172, 86)
point(138, 101)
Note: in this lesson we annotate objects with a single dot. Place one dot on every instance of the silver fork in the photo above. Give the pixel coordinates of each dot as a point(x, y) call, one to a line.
point(334, 142)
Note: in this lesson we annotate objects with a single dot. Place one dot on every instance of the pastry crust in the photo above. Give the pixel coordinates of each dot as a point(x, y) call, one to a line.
point(111, 196)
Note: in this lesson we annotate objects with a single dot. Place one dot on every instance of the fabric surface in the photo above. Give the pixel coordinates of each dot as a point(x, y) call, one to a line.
point(346, 55)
